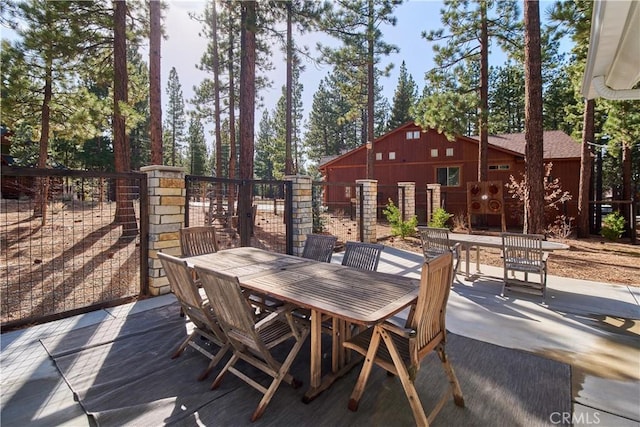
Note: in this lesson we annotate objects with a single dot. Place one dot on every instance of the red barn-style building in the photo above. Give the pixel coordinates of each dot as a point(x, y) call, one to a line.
point(410, 154)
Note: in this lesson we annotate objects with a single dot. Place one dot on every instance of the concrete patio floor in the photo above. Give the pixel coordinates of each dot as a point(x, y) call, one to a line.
point(592, 326)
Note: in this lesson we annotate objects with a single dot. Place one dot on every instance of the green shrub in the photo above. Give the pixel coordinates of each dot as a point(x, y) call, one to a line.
point(613, 226)
point(439, 218)
point(398, 226)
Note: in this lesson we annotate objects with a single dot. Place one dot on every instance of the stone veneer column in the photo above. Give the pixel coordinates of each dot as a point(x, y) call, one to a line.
point(166, 216)
point(409, 199)
point(434, 199)
point(301, 212)
point(370, 203)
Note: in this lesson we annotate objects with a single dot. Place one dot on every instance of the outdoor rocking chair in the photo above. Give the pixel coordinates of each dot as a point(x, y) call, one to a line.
point(197, 310)
point(252, 342)
point(402, 349)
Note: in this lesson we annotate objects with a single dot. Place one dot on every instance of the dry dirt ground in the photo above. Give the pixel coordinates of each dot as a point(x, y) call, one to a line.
point(591, 259)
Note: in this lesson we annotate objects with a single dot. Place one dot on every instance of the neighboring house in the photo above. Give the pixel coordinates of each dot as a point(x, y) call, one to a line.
point(408, 154)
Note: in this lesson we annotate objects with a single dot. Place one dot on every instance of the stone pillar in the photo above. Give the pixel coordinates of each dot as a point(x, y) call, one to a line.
point(370, 203)
point(301, 211)
point(166, 216)
point(409, 201)
point(434, 199)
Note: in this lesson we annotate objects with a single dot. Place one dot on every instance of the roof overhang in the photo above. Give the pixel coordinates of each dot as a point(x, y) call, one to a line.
point(613, 61)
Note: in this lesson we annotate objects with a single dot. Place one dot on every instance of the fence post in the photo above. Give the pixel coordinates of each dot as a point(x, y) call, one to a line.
point(369, 206)
point(301, 211)
point(167, 191)
point(433, 199)
point(407, 199)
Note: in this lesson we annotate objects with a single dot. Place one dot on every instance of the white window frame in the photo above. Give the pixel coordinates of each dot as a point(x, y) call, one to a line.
point(434, 152)
point(392, 155)
point(378, 156)
point(449, 152)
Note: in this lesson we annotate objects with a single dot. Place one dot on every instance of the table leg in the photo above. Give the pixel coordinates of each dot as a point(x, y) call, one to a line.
point(316, 349)
point(340, 366)
point(467, 261)
point(477, 259)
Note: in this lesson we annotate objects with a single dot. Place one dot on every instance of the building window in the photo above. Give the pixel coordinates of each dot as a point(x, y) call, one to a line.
point(434, 152)
point(392, 155)
point(449, 152)
point(449, 177)
point(378, 156)
point(413, 134)
point(499, 167)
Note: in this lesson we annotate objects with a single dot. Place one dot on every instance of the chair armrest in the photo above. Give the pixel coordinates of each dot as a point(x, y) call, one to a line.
point(545, 256)
point(456, 248)
point(398, 330)
point(273, 316)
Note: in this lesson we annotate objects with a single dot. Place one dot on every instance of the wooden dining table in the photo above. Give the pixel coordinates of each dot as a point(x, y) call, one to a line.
point(346, 295)
point(468, 241)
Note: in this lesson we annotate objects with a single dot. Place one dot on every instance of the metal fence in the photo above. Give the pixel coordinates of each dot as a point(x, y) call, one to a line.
point(214, 201)
point(334, 209)
point(79, 251)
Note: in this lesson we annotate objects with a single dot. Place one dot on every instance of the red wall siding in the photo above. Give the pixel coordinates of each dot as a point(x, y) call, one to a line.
point(413, 163)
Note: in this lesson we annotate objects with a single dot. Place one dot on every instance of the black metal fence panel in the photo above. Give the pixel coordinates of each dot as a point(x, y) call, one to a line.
point(334, 208)
point(79, 251)
point(214, 201)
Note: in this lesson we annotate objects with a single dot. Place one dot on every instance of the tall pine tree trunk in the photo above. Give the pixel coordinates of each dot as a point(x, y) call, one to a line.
point(534, 163)
point(125, 214)
point(42, 183)
point(247, 118)
point(155, 103)
point(370, 92)
point(288, 163)
point(216, 106)
point(483, 147)
point(232, 112)
point(588, 135)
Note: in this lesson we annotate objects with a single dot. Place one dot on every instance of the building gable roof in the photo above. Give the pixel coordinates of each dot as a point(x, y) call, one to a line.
point(557, 144)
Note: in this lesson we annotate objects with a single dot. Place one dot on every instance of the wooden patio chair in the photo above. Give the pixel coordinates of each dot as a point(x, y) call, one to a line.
point(198, 240)
point(523, 253)
point(435, 242)
point(362, 255)
point(404, 348)
point(319, 247)
point(196, 309)
point(252, 342)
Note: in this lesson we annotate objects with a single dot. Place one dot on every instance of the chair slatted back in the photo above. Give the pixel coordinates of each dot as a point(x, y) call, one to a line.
point(198, 240)
point(181, 280)
point(429, 316)
point(319, 247)
point(519, 248)
point(362, 255)
point(231, 307)
point(435, 241)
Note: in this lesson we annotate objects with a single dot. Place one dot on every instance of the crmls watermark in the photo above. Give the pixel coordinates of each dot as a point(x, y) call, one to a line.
point(567, 418)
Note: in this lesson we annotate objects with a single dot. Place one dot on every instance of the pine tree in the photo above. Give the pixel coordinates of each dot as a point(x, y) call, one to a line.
point(470, 30)
point(357, 24)
point(404, 99)
point(197, 147)
point(155, 102)
point(533, 129)
point(265, 148)
point(175, 118)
